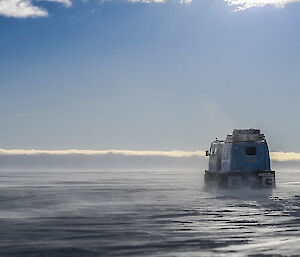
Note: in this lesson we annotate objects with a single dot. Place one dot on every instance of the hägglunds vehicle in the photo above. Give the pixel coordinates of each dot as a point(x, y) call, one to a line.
point(242, 160)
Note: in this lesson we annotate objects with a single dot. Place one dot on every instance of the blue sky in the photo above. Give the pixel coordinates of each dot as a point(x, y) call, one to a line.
point(155, 76)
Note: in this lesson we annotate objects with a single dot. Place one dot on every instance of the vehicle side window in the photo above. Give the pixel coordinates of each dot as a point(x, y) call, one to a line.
point(250, 150)
point(213, 151)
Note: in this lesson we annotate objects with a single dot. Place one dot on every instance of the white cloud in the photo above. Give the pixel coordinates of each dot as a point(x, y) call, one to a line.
point(26, 8)
point(147, 1)
point(241, 5)
point(238, 4)
point(152, 1)
point(65, 2)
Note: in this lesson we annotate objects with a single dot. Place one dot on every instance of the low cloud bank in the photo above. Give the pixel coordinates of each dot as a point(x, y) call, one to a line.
point(284, 157)
point(173, 153)
point(101, 160)
point(275, 156)
point(118, 160)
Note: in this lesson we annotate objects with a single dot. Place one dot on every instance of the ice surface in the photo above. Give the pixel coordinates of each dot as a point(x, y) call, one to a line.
point(144, 213)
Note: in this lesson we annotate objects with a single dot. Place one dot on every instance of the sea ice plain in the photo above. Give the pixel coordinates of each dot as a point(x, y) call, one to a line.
point(144, 213)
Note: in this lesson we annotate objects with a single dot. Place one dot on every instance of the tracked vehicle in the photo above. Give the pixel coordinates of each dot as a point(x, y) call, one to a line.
point(242, 160)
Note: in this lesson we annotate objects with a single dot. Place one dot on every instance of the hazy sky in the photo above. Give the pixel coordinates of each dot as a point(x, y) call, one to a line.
point(158, 76)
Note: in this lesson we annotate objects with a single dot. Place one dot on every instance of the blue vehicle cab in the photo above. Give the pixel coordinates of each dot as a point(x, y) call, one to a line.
point(241, 160)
